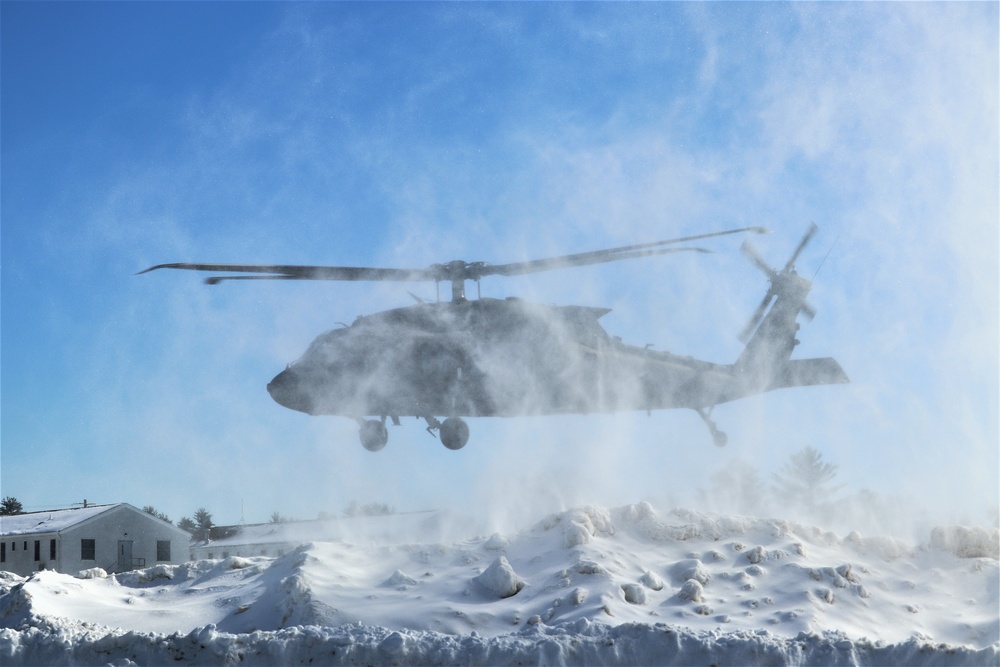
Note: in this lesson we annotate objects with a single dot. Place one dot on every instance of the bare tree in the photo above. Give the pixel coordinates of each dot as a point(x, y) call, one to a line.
point(371, 509)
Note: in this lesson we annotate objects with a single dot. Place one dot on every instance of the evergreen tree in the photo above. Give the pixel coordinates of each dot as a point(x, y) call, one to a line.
point(10, 505)
point(187, 524)
point(203, 524)
point(149, 509)
point(805, 480)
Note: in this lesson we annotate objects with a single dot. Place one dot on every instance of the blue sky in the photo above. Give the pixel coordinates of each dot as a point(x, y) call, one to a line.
point(409, 134)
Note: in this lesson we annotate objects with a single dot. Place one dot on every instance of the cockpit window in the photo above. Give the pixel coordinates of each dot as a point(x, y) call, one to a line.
point(324, 340)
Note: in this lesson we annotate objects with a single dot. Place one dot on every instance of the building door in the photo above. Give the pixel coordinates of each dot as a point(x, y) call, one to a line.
point(124, 555)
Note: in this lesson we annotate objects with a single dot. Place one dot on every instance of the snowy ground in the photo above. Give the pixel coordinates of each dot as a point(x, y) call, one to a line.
point(587, 586)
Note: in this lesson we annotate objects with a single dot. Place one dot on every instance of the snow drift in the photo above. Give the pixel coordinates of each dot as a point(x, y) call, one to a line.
point(585, 586)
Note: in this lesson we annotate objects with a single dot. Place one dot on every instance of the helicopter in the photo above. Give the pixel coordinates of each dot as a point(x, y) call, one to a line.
point(508, 357)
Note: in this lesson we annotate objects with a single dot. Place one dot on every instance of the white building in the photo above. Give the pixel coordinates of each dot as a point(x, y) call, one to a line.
point(115, 537)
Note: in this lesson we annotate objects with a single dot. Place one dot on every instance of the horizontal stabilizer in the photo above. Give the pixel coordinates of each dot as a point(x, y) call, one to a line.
point(808, 372)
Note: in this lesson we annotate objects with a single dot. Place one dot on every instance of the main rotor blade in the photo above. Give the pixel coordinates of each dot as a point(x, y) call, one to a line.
point(757, 316)
point(584, 259)
point(608, 255)
point(299, 272)
point(456, 270)
point(682, 239)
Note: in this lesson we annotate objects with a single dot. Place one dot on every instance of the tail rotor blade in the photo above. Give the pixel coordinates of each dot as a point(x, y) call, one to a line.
point(752, 254)
point(758, 315)
point(802, 244)
point(783, 282)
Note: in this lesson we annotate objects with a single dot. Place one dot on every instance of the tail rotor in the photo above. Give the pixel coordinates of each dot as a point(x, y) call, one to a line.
point(782, 283)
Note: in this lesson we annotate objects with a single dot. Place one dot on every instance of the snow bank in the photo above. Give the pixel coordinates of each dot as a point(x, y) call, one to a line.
point(587, 586)
point(581, 643)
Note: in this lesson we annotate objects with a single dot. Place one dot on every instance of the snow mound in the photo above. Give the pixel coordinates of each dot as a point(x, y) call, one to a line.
point(237, 563)
point(497, 542)
point(92, 573)
point(651, 581)
point(399, 579)
point(144, 576)
point(16, 608)
point(499, 579)
point(579, 526)
point(635, 593)
point(692, 590)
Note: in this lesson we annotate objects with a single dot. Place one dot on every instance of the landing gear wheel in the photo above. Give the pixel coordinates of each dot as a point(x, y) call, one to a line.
point(454, 433)
point(718, 437)
point(374, 435)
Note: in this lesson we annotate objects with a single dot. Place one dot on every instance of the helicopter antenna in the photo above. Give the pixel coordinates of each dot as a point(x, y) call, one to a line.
point(825, 256)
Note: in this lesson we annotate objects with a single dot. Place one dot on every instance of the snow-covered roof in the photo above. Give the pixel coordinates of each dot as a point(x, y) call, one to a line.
point(50, 521)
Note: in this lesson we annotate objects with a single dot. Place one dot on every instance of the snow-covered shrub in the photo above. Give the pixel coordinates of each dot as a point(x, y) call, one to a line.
point(967, 542)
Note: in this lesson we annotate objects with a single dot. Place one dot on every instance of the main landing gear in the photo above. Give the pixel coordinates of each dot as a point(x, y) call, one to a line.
point(454, 432)
point(718, 437)
point(373, 434)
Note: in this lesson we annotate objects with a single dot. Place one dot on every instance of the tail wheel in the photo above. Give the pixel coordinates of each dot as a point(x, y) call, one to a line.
point(374, 435)
point(454, 433)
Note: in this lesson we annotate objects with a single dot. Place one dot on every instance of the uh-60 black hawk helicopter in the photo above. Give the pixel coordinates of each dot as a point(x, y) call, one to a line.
point(490, 357)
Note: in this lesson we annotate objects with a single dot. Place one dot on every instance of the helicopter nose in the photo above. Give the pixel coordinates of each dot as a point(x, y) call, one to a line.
point(286, 389)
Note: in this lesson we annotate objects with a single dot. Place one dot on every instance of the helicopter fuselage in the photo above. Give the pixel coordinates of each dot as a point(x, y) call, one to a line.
point(490, 358)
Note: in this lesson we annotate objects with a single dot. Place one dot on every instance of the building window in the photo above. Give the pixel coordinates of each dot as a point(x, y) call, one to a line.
point(52, 549)
point(162, 549)
point(38, 550)
point(3, 552)
point(13, 546)
point(88, 549)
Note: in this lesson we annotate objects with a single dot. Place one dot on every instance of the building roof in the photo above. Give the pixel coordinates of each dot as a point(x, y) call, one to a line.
point(54, 521)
